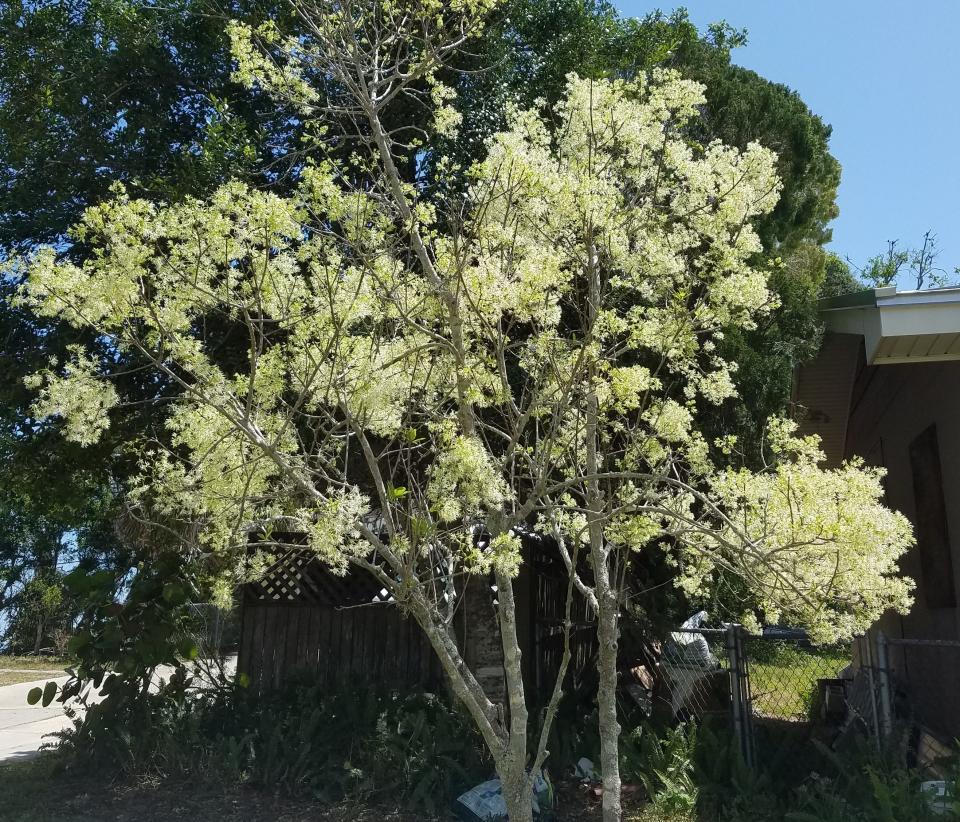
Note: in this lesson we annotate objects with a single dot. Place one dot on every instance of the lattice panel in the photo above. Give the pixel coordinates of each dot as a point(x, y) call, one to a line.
point(298, 576)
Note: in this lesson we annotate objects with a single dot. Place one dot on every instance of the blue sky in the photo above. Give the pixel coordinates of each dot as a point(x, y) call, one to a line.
point(886, 75)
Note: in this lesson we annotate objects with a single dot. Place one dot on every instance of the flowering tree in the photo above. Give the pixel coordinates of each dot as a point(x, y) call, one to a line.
point(423, 379)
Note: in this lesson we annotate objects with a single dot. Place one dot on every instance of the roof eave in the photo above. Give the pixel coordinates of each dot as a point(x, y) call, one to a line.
point(897, 327)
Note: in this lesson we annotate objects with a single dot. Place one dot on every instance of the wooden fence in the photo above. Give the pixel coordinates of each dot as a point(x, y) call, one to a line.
point(300, 622)
point(549, 599)
point(283, 642)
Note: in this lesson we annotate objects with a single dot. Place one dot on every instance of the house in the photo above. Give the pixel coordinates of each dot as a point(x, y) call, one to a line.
point(886, 387)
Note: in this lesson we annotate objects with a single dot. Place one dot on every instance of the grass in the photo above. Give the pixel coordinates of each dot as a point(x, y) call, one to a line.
point(16, 669)
point(9, 662)
point(16, 677)
point(783, 677)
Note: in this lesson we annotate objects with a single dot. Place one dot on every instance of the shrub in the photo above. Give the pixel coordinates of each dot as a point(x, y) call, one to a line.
point(414, 750)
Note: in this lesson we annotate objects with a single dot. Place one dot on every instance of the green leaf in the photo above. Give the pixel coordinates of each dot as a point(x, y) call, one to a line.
point(101, 579)
point(396, 493)
point(77, 582)
point(420, 527)
point(243, 680)
point(49, 692)
point(110, 638)
point(34, 695)
point(188, 649)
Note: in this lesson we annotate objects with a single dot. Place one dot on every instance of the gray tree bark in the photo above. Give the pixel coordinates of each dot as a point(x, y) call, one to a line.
point(38, 639)
point(608, 636)
point(606, 595)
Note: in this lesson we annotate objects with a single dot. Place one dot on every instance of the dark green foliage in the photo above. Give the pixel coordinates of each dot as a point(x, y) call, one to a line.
point(530, 48)
point(533, 45)
point(664, 764)
point(865, 785)
point(412, 750)
point(743, 107)
point(855, 784)
point(39, 615)
point(140, 92)
point(839, 279)
point(96, 91)
point(93, 92)
point(47, 527)
point(697, 773)
point(124, 635)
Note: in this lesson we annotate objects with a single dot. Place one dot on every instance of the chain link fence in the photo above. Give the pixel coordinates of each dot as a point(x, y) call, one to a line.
point(777, 691)
point(791, 680)
point(917, 692)
point(706, 673)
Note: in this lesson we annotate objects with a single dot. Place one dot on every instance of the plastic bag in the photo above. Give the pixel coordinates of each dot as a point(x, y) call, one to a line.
point(485, 803)
point(691, 650)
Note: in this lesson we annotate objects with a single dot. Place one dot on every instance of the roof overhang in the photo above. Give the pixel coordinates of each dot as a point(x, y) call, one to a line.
point(899, 327)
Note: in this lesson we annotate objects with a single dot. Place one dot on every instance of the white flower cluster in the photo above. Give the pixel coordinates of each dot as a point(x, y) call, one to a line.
point(80, 396)
point(464, 481)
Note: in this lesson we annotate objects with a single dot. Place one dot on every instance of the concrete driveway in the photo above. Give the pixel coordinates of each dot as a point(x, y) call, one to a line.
point(22, 726)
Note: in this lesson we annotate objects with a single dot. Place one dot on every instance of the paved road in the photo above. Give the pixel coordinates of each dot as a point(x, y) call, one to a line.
point(22, 726)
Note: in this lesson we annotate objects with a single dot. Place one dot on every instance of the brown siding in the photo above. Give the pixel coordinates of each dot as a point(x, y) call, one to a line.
point(823, 391)
point(897, 406)
point(933, 538)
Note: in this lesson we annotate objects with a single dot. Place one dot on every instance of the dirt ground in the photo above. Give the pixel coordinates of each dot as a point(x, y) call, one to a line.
point(34, 791)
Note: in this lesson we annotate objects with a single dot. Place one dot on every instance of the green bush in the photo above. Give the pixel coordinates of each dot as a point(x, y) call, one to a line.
point(857, 784)
point(664, 764)
point(696, 772)
point(413, 750)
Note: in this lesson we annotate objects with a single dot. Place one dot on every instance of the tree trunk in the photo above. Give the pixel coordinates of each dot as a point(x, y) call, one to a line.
point(607, 635)
point(514, 782)
point(516, 789)
point(507, 744)
point(38, 640)
point(607, 605)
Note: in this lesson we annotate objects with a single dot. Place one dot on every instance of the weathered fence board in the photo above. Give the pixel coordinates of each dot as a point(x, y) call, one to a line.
point(368, 645)
point(549, 614)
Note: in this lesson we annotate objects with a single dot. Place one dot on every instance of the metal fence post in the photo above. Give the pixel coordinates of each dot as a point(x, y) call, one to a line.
point(746, 698)
point(883, 669)
point(739, 706)
point(217, 638)
point(867, 648)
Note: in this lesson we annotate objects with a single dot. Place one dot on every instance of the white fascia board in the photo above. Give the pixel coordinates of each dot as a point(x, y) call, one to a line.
point(911, 319)
point(903, 314)
point(931, 296)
